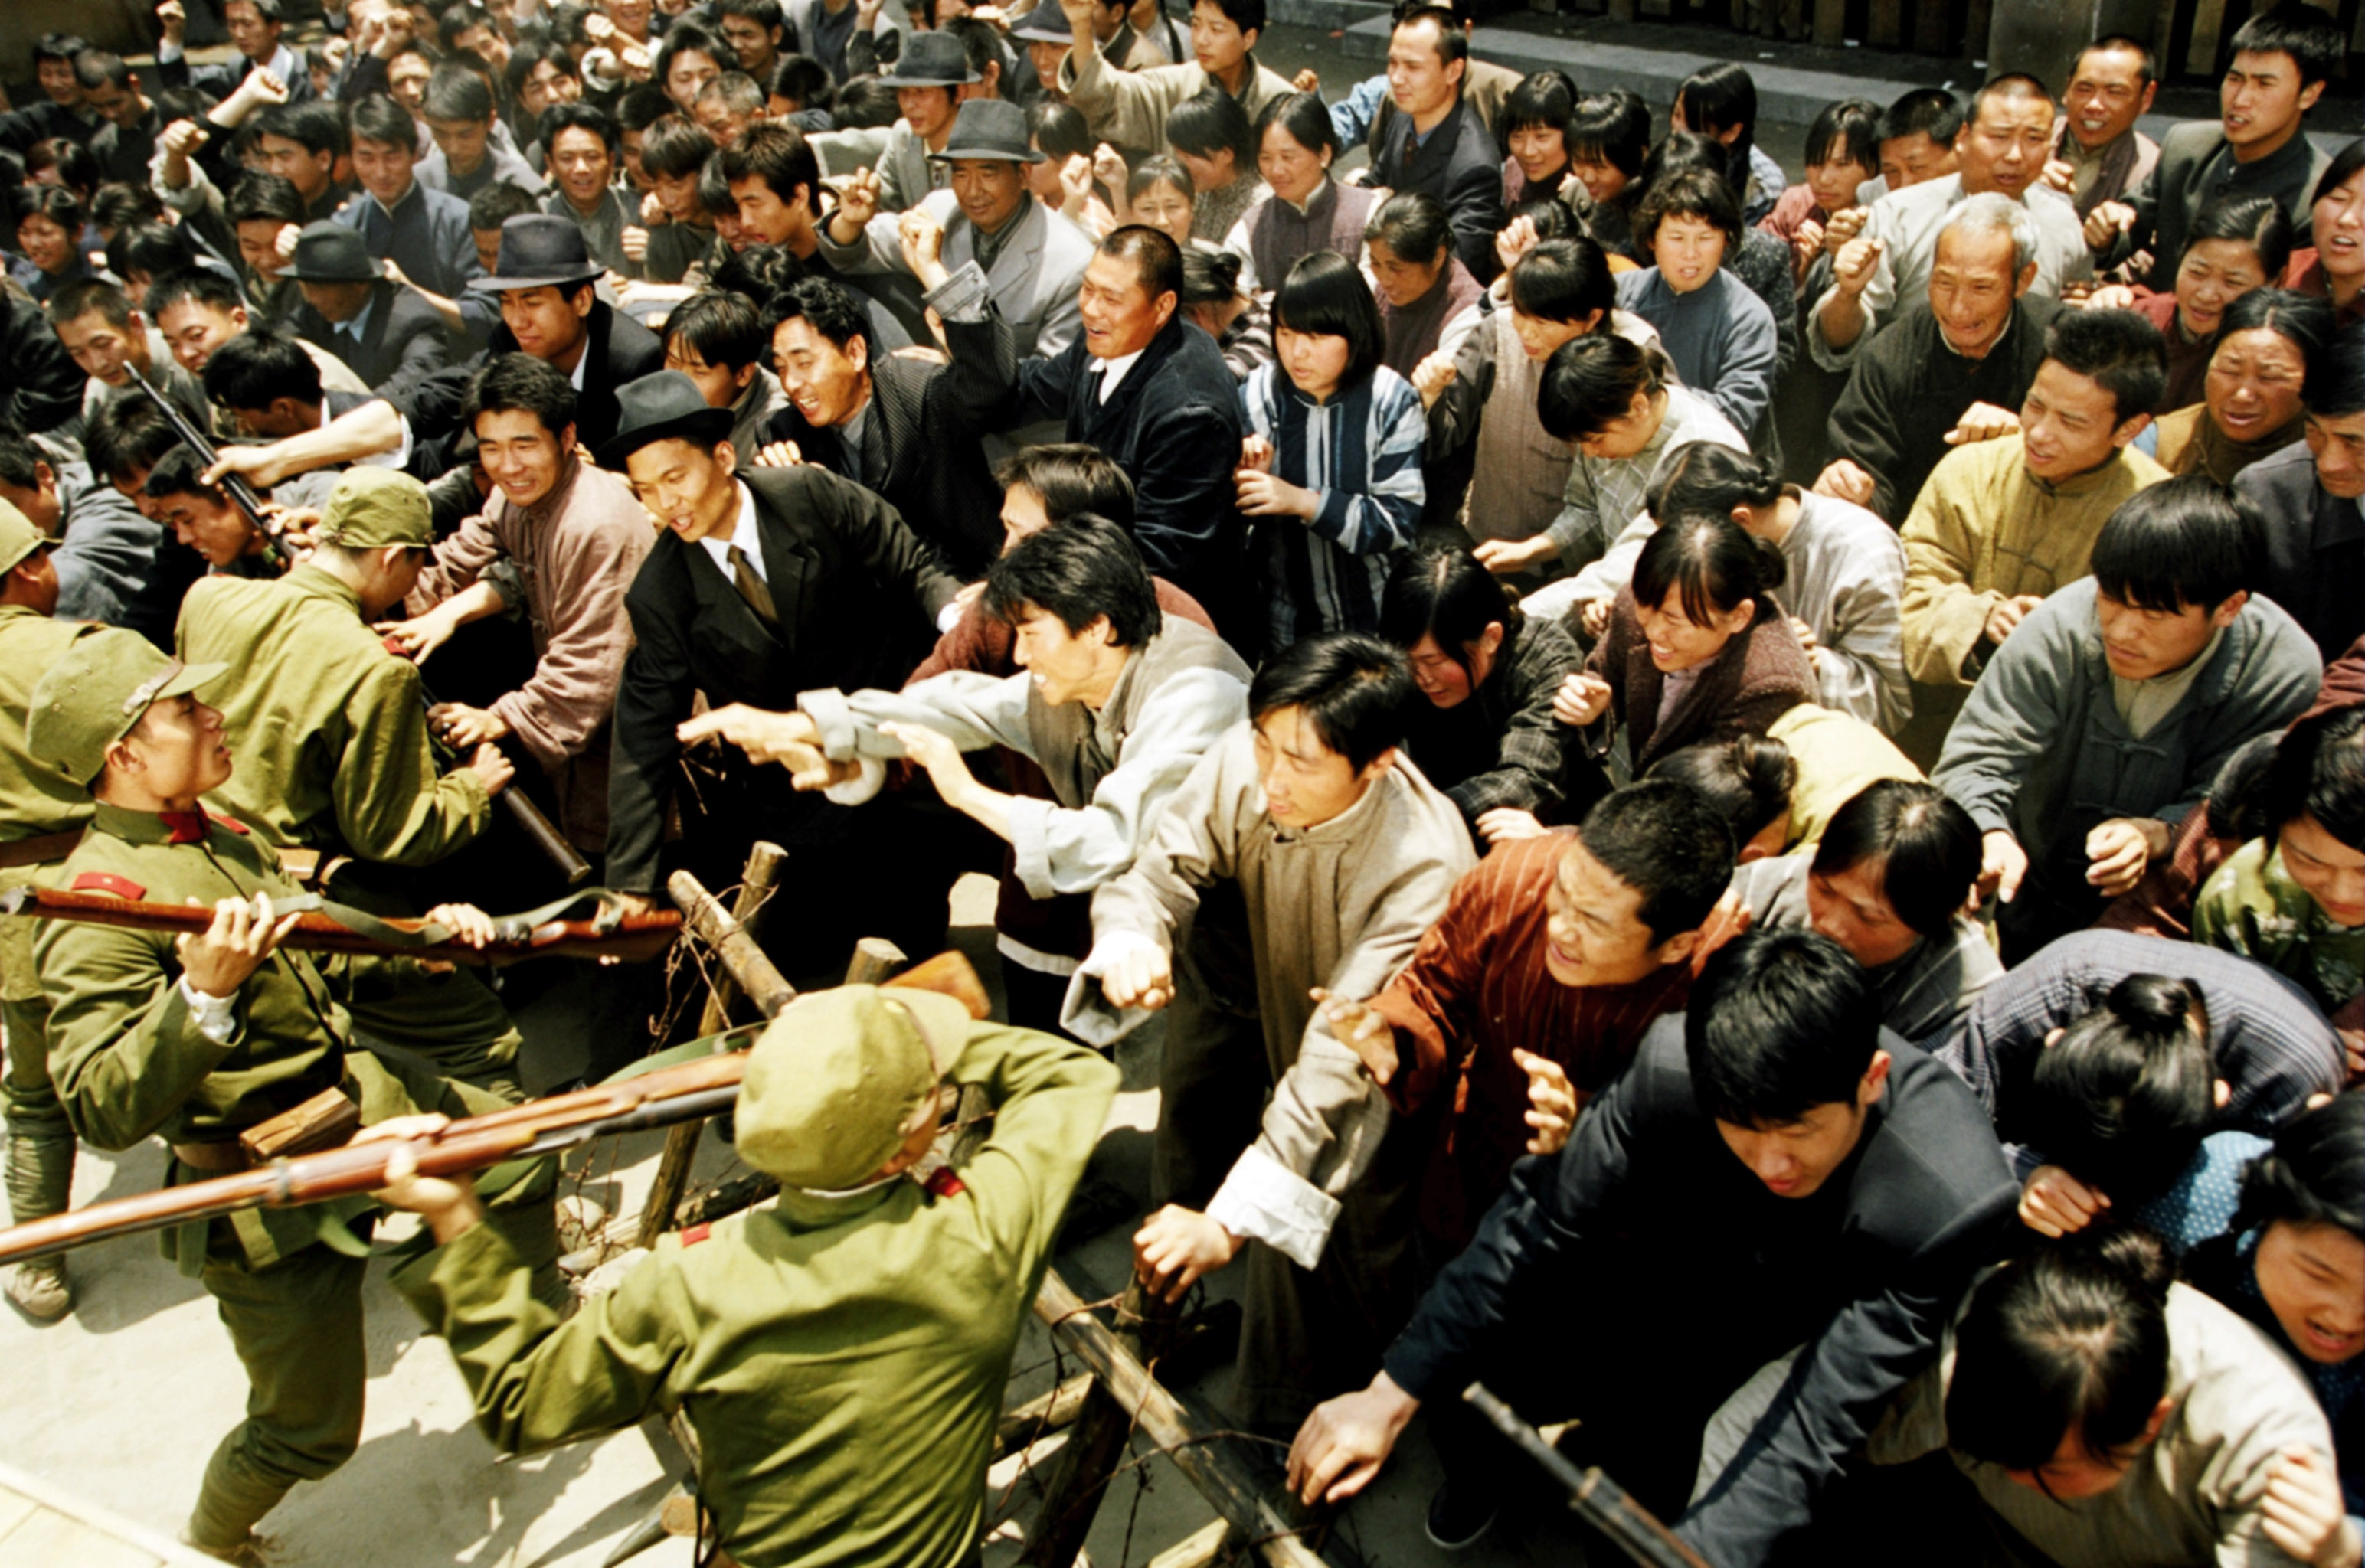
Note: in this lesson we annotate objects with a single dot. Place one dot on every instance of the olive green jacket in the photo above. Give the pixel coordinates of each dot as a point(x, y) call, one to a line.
point(328, 727)
point(842, 1356)
point(34, 799)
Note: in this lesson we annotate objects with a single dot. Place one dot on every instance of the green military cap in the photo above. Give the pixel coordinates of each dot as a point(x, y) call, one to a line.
point(840, 1079)
point(371, 507)
point(95, 692)
point(19, 537)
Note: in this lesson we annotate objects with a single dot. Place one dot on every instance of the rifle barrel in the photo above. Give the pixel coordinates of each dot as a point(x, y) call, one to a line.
point(241, 494)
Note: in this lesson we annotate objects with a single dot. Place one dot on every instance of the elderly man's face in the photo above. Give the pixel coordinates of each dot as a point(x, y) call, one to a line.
point(1972, 285)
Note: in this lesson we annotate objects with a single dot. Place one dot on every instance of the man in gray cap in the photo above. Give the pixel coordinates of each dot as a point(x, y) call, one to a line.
point(843, 1355)
point(385, 331)
point(201, 1038)
point(996, 238)
point(931, 80)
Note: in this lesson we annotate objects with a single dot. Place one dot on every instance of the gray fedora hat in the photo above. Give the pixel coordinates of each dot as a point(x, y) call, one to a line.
point(665, 405)
point(330, 252)
point(930, 60)
point(988, 127)
point(1046, 23)
point(539, 250)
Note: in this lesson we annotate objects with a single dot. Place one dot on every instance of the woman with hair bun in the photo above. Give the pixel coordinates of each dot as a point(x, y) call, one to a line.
point(1215, 301)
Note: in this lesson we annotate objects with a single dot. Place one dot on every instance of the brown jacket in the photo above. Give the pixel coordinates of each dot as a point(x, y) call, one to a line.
point(577, 550)
point(1760, 675)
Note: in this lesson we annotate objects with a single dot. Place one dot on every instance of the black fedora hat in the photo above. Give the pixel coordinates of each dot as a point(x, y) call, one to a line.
point(539, 250)
point(330, 252)
point(988, 127)
point(931, 60)
point(1046, 23)
point(665, 405)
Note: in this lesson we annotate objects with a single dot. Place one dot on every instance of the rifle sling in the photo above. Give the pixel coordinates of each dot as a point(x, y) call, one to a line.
point(430, 934)
point(38, 849)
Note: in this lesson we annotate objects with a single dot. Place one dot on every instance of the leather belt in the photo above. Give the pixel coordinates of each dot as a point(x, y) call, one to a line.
point(38, 849)
point(218, 1157)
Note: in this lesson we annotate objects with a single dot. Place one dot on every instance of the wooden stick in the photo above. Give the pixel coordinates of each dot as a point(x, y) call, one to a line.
point(1199, 1549)
point(681, 1143)
point(1238, 1485)
point(1041, 1415)
point(1096, 1444)
point(755, 974)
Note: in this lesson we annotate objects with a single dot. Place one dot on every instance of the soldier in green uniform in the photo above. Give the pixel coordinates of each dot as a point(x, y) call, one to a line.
point(334, 754)
point(197, 1038)
point(842, 1356)
point(42, 815)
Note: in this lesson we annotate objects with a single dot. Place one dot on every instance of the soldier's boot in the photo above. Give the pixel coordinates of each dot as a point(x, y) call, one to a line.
point(255, 1552)
point(39, 1178)
point(234, 1497)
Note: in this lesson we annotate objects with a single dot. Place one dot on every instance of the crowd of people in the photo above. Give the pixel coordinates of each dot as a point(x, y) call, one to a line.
point(1730, 788)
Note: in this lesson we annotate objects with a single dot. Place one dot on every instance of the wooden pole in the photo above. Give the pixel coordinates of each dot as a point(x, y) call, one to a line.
point(681, 1143)
point(755, 974)
point(875, 958)
point(1041, 1417)
point(1240, 1487)
point(1096, 1443)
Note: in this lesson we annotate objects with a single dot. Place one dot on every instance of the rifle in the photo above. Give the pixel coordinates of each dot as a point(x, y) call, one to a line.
point(327, 927)
point(694, 1089)
point(520, 807)
point(241, 494)
point(1603, 1504)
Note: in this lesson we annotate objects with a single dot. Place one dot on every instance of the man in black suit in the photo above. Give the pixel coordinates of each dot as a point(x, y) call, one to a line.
point(127, 142)
point(1749, 1243)
point(1440, 145)
point(1147, 387)
point(385, 331)
point(761, 585)
point(893, 426)
point(255, 26)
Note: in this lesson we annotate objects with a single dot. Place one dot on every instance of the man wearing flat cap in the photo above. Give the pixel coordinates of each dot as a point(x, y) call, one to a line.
point(41, 818)
point(384, 331)
point(336, 757)
point(199, 1038)
point(932, 78)
point(996, 238)
point(842, 1356)
point(762, 584)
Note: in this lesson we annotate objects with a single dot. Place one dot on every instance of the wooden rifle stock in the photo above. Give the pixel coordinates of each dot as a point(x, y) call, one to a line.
point(633, 937)
point(694, 1089)
point(520, 807)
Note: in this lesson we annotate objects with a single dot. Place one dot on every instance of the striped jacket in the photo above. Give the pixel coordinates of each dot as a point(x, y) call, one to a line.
point(1360, 454)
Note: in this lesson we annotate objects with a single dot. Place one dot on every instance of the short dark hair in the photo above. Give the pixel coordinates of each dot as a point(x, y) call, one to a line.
point(675, 147)
point(525, 57)
point(2121, 43)
point(258, 197)
point(76, 167)
point(20, 460)
point(1211, 121)
point(125, 436)
point(808, 80)
point(152, 249)
point(1847, 132)
point(1058, 129)
point(2319, 771)
point(1563, 280)
point(1778, 1022)
point(1160, 168)
point(641, 107)
point(826, 305)
point(1709, 476)
point(2119, 350)
point(686, 37)
point(315, 125)
point(2015, 85)
point(380, 120)
point(2256, 221)
point(1210, 275)
point(1352, 687)
point(1325, 294)
point(777, 154)
point(119, 204)
point(2123, 1100)
point(1157, 260)
point(1414, 225)
point(2303, 320)
point(454, 21)
point(1746, 779)
point(496, 202)
point(865, 103)
point(1666, 842)
point(101, 67)
point(1084, 568)
point(1074, 478)
point(1919, 847)
point(981, 44)
point(2315, 1172)
point(1723, 97)
point(1591, 382)
point(1551, 217)
point(270, 12)
point(1930, 111)
point(724, 327)
point(1452, 43)
point(1440, 589)
point(2312, 39)
point(1542, 101)
point(179, 471)
point(454, 91)
point(1612, 128)
point(60, 47)
point(1246, 14)
point(521, 381)
point(580, 117)
point(763, 13)
point(89, 296)
point(1712, 563)
point(2186, 542)
point(256, 368)
point(2340, 171)
point(2071, 1339)
point(1305, 116)
point(1691, 193)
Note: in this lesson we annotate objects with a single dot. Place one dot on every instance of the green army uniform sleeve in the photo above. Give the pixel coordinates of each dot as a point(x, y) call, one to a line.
point(391, 804)
point(1050, 1096)
point(124, 1048)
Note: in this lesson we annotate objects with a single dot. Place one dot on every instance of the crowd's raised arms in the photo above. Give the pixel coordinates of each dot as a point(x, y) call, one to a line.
point(1729, 799)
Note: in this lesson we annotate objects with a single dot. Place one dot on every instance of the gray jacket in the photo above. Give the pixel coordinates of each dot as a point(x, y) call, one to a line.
point(1034, 281)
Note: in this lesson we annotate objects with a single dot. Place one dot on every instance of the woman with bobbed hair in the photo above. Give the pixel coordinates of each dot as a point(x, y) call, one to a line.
point(1697, 649)
point(1063, 180)
point(2334, 268)
point(1304, 210)
point(2237, 243)
point(1534, 129)
point(1210, 135)
point(2108, 1415)
point(2251, 392)
point(1484, 732)
point(49, 230)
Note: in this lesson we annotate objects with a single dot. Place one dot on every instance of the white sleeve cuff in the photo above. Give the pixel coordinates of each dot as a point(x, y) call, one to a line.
point(950, 616)
point(215, 1016)
point(1265, 1199)
point(167, 52)
point(862, 786)
point(1086, 1012)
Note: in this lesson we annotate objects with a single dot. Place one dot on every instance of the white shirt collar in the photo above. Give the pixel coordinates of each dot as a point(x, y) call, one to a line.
point(743, 536)
point(1112, 371)
point(576, 376)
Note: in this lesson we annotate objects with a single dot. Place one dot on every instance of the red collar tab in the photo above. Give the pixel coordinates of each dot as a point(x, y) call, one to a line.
point(944, 1184)
point(188, 827)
